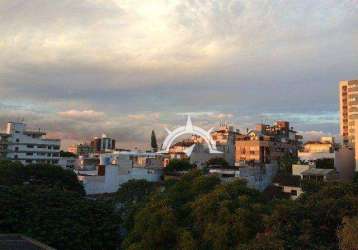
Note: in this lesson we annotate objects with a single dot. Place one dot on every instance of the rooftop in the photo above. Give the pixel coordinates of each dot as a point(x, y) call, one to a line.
point(317, 171)
point(20, 242)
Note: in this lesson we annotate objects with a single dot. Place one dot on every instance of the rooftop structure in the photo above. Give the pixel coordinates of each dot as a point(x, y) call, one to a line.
point(318, 174)
point(20, 242)
point(266, 143)
point(81, 149)
point(103, 144)
point(117, 168)
point(30, 146)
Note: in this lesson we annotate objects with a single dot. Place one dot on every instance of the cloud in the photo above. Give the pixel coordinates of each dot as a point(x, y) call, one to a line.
point(81, 114)
point(314, 135)
point(88, 67)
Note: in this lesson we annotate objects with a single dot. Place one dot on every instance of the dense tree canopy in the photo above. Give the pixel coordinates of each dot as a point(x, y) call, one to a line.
point(210, 215)
point(66, 154)
point(196, 211)
point(178, 165)
point(47, 203)
point(14, 173)
point(64, 220)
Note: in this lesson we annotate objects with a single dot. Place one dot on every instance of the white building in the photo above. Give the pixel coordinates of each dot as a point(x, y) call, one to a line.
point(256, 177)
point(31, 146)
point(67, 162)
point(119, 167)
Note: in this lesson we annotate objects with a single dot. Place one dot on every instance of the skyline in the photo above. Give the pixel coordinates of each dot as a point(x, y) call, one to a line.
point(123, 68)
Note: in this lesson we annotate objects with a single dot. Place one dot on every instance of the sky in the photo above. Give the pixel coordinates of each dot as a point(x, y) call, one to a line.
point(80, 68)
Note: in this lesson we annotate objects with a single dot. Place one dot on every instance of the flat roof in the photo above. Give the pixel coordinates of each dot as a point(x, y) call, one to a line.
point(317, 171)
point(20, 242)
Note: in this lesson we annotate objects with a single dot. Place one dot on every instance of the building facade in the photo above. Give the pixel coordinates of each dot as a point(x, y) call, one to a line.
point(266, 144)
point(103, 144)
point(30, 146)
point(81, 149)
point(348, 105)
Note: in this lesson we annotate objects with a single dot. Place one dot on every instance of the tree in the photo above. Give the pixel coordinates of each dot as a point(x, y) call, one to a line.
point(178, 165)
point(295, 223)
point(130, 197)
point(66, 154)
point(153, 141)
point(60, 219)
point(197, 212)
point(347, 234)
point(286, 161)
point(135, 191)
point(14, 173)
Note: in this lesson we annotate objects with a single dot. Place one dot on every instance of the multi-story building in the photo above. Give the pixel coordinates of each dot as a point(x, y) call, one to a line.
point(3, 145)
point(348, 104)
point(30, 146)
point(266, 144)
point(224, 137)
point(81, 149)
point(103, 144)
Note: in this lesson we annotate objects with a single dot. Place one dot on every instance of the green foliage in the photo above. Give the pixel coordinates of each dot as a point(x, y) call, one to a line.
point(178, 165)
point(66, 154)
point(347, 234)
point(296, 222)
point(130, 197)
point(355, 179)
point(153, 141)
point(286, 161)
point(64, 220)
point(14, 173)
point(217, 161)
point(197, 212)
point(47, 203)
point(135, 191)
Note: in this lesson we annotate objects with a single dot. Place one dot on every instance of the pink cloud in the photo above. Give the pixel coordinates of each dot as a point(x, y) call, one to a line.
point(78, 114)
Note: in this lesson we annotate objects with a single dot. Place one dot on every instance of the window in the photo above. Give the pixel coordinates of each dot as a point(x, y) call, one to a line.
point(15, 157)
point(49, 147)
point(28, 161)
point(16, 149)
point(294, 192)
point(17, 140)
point(29, 153)
point(30, 146)
point(56, 147)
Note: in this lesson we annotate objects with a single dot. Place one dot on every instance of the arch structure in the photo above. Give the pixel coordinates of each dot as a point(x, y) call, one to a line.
point(189, 129)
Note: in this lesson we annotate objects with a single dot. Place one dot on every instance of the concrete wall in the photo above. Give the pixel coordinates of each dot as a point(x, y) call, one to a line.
point(345, 163)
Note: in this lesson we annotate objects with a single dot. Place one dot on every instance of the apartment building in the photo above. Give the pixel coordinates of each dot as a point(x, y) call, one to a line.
point(30, 146)
point(3, 145)
point(266, 144)
point(348, 105)
point(103, 144)
point(224, 137)
point(81, 149)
